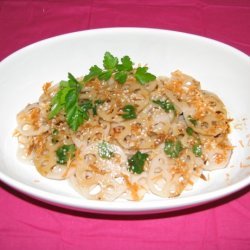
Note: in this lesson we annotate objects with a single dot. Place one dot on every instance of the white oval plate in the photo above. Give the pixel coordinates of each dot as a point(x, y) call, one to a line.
point(219, 67)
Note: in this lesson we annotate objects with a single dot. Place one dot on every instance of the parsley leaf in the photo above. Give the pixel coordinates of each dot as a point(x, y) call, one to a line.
point(123, 69)
point(105, 75)
point(120, 70)
point(71, 99)
point(65, 152)
point(121, 76)
point(75, 117)
point(109, 61)
point(126, 65)
point(137, 161)
point(94, 71)
point(72, 79)
point(142, 76)
point(59, 99)
point(173, 148)
point(57, 102)
point(105, 150)
point(67, 99)
point(166, 105)
point(129, 112)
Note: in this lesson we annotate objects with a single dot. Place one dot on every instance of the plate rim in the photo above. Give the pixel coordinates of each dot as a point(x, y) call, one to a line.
point(164, 204)
point(122, 29)
point(115, 207)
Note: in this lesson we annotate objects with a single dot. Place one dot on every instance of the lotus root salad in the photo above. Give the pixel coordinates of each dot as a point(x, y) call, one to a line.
point(121, 132)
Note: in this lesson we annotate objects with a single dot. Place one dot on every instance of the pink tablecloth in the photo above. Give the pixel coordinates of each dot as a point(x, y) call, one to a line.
point(29, 224)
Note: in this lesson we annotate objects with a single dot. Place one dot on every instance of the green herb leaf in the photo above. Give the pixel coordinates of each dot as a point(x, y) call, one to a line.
point(57, 104)
point(197, 150)
point(105, 150)
point(126, 65)
point(166, 105)
point(129, 112)
point(94, 72)
point(105, 75)
point(173, 148)
point(75, 117)
point(137, 161)
point(65, 152)
point(142, 76)
point(189, 131)
point(119, 70)
point(71, 99)
point(64, 84)
point(109, 61)
point(67, 99)
point(123, 69)
point(121, 76)
point(72, 78)
point(58, 101)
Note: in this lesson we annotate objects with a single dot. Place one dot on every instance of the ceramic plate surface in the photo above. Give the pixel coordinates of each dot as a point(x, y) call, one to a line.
point(220, 69)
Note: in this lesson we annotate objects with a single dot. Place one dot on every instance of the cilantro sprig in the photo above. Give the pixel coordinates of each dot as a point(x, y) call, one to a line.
point(120, 70)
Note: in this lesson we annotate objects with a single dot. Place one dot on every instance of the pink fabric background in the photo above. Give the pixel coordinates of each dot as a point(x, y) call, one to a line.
point(28, 224)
